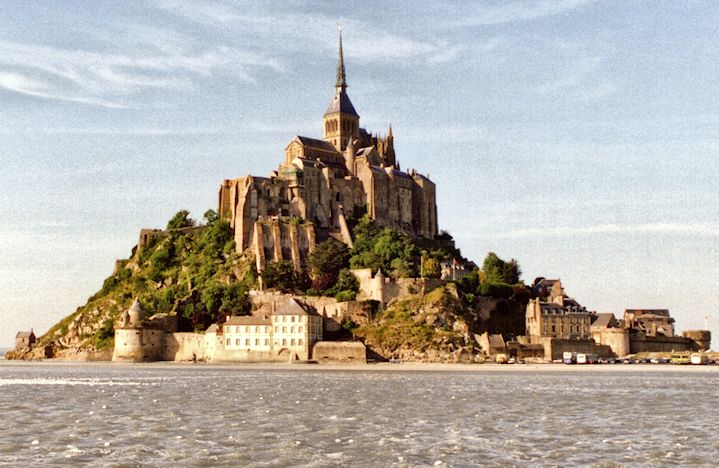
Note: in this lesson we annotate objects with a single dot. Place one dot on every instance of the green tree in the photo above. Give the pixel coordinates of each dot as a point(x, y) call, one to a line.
point(328, 258)
point(431, 267)
point(497, 270)
point(279, 275)
point(210, 216)
point(181, 219)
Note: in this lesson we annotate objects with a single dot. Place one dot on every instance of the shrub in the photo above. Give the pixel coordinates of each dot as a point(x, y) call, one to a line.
point(496, 290)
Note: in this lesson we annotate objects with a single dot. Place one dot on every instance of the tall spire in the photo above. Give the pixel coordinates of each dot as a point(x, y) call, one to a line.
point(341, 80)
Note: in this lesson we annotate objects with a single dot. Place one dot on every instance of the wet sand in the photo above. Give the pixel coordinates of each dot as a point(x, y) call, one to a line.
point(389, 367)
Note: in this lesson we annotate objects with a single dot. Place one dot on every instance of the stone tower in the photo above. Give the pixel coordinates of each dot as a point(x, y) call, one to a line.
point(341, 119)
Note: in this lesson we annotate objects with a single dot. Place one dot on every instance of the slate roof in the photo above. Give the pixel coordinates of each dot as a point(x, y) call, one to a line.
point(341, 103)
point(604, 320)
point(294, 307)
point(246, 320)
point(496, 341)
point(317, 144)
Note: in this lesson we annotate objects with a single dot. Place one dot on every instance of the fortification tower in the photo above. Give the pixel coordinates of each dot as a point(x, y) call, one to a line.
point(341, 121)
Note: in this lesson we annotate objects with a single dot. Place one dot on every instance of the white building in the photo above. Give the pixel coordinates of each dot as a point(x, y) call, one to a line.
point(247, 333)
point(296, 328)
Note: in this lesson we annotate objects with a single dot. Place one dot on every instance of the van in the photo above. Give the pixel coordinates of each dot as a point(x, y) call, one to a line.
point(699, 359)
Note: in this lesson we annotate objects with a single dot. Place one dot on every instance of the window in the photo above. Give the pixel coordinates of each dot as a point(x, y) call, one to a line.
point(247, 341)
point(228, 341)
point(284, 329)
point(267, 342)
point(284, 341)
point(247, 329)
point(257, 341)
point(292, 341)
point(292, 329)
point(237, 342)
point(299, 329)
point(299, 342)
point(293, 318)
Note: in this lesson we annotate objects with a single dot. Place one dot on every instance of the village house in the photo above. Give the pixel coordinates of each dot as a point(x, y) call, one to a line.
point(24, 340)
point(247, 332)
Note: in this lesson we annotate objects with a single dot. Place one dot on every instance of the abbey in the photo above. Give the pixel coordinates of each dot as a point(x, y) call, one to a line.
point(321, 183)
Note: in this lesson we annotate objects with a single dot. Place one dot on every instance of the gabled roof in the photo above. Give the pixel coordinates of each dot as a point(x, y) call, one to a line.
point(295, 307)
point(23, 334)
point(496, 341)
point(316, 144)
point(246, 320)
point(604, 320)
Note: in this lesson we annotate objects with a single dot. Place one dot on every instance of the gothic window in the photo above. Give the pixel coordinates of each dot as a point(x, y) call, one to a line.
point(338, 197)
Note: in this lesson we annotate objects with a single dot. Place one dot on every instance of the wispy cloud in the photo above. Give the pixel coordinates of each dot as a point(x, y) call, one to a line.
point(111, 79)
point(577, 76)
point(691, 229)
point(298, 31)
point(517, 11)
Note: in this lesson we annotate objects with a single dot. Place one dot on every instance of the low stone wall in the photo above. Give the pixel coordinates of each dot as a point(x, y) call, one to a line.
point(345, 352)
point(185, 347)
point(640, 343)
point(558, 347)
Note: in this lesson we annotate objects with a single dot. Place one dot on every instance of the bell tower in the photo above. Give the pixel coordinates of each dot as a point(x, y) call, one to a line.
point(341, 121)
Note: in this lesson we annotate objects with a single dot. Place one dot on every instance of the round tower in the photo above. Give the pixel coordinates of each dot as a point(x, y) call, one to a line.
point(701, 338)
point(136, 313)
point(378, 287)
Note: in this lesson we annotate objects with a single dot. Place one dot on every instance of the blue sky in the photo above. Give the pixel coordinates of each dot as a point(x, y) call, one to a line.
point(576, 136)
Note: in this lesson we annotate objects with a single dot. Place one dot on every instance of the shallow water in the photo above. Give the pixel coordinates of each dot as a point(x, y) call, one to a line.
point(112, 415)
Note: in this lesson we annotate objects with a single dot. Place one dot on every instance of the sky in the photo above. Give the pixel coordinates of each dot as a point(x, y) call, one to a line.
point(577, 136)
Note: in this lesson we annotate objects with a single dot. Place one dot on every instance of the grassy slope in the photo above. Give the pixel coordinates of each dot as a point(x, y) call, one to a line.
point(197, 275)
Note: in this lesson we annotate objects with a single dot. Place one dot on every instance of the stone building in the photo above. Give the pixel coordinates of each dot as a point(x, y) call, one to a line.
point(24, 340)
point(296, 327)
point(651, 322)
point(549, 319)
point(556, 316)
point(558, 323)
point(247, 332)
point(321, 182)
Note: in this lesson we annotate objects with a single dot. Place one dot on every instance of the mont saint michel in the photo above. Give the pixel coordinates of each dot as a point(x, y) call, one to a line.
point(336, 257)
point(341, 234)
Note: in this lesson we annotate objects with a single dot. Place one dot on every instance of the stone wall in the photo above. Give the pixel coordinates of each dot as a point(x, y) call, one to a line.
point(376, 287)
point(554, 348)
point(185, 347)
point(139, 344)
point(344, 352)
point(557, 347)
point(641, 343)
point(616, 338)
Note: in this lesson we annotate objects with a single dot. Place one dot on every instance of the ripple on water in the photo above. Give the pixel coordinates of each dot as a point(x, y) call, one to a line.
point(241, 416)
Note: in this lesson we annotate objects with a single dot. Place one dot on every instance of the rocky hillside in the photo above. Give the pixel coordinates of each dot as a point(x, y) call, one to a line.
point(192, 272)
point(436, 327)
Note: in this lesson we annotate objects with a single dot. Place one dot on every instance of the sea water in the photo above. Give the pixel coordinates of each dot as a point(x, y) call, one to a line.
point(170, 415)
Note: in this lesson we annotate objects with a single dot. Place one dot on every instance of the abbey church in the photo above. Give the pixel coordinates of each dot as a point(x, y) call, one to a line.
point(321, 183)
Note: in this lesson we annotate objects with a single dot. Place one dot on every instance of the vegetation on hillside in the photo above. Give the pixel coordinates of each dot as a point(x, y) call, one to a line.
point(196, 274)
